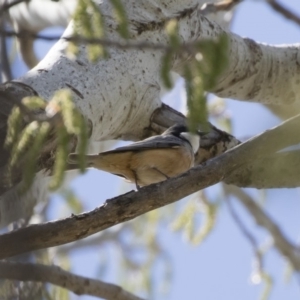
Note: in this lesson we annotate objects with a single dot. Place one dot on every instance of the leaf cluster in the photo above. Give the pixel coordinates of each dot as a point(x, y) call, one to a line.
point(188, 219)
point(29, 126)
point(89, 22)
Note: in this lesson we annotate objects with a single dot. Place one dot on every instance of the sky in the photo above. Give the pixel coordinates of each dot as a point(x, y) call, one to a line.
point(219, 268)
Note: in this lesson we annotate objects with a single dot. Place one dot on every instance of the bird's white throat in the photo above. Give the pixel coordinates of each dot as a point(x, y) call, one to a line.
point(194, 140)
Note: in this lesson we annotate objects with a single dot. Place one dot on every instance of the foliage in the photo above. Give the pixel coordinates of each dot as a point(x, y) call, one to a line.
point(188, 218)
point(29, 126)
point(27, 134)
point(89, 22)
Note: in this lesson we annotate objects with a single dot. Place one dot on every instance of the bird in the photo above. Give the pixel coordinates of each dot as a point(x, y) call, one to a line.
point(151, 160)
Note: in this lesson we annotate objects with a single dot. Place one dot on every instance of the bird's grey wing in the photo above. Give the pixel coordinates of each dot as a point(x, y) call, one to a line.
point(155, 142)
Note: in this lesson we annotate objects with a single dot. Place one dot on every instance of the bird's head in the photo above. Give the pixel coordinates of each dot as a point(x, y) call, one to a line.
point(181, 131)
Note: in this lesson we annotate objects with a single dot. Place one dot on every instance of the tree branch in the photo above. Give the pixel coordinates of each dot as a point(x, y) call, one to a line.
point(130, 205)
point(111, 235)
point(53, 274)
point(246, 232)
point(287, 13)
point(5, 68)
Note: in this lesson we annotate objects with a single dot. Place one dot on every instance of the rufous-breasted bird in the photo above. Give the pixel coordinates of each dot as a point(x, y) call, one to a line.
point(152, 160)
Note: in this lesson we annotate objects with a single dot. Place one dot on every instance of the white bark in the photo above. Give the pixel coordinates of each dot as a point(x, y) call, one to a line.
point(256, 72)
point(118, 95)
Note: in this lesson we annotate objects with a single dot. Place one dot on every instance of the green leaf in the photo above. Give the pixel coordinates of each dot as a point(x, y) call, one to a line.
point(89, 23)
point(26, 137)
point(60, 158)
point(14, 125)
point(172, 32)
point(121, 17)
point(34, 102)
point(202, 75)
point(166, 69)
point(32, 155)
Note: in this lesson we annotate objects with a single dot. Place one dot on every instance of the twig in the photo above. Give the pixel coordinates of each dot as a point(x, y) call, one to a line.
point(97, 240)
point(6, 74)
point(258, 273)
point(245, 231)
point(284, 11)
point(84, 40)
point(53, 274)
point(290, 251)
point(190, 47)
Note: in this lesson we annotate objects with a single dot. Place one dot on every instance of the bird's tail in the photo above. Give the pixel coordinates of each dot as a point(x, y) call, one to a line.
point(73, 159)
point(109, 162)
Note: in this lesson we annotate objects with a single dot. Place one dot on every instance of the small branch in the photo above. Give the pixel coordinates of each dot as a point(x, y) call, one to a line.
point(290, 251)
point(55, 275)
point(6, 74)
point(97, 41)
point(245, 232)
point(284, 11)
point(133, 204)
point(258, 273)
point(97, 240)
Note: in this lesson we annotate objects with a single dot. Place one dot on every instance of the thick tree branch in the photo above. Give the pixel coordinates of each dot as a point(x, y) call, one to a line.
point(52, 274)
point(129, 206)
point(255, 70)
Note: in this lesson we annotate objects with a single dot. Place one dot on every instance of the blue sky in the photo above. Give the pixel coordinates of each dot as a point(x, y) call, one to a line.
point(219, 268)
